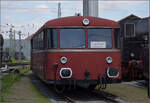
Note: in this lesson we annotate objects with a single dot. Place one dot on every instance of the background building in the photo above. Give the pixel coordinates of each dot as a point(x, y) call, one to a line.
point(25, 47)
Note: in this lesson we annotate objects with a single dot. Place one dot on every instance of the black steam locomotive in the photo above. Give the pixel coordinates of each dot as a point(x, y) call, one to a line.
point(134, 44)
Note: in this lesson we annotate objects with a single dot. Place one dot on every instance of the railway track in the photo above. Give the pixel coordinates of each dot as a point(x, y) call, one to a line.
point(66, 98)
point(16, 64)
point(69, 100)
point(100, 95)
point(106, 96)
point(10, 67)
point(74, 96)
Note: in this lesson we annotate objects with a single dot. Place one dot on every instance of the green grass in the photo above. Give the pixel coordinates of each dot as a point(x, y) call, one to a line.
point(8, 80)
point(17, 61)
point(8, 83)
point(14, 60)
point(129, 93)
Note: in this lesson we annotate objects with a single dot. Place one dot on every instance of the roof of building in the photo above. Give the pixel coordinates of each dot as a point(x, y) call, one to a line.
point(130, 16)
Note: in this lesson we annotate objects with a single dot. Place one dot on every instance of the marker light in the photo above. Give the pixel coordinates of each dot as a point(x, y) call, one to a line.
point(63, 60)
point(109, 60)
point(86, 21)
point(132, 54)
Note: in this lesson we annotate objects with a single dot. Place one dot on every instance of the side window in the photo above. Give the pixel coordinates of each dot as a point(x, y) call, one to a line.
point(41, 40)
point(38, 41)
point(129, 30)
point(51, 38)
point(35, 42)
point(117, 37)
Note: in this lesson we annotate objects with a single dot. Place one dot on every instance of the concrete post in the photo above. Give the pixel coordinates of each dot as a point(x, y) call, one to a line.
point(93, 8)
point(59, 10)
point(85, 7)
point(90, 8)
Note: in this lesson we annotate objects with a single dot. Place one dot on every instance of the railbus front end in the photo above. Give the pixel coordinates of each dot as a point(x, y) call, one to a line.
point(83, 52)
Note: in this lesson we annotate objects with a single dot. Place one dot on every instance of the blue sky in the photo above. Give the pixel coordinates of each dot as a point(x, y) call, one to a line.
point(28, 16)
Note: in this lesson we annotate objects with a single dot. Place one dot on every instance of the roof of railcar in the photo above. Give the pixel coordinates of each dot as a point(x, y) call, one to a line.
point(76, 21)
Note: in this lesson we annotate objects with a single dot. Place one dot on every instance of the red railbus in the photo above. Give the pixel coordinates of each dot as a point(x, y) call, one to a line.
point(77, 51)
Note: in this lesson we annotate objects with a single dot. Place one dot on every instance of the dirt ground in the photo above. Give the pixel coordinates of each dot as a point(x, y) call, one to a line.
point(31, 90)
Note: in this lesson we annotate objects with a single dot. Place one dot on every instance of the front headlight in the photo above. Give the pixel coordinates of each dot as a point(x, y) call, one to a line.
point(63, 60)
point(109, 60)
point(65, 72)
point(112, 72)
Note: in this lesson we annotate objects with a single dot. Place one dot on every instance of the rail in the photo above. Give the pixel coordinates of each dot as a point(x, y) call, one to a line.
point(16, 64)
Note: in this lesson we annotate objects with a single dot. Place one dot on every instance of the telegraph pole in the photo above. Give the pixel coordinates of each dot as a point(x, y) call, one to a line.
point(19, 33)
point(14, 41)
point(10, 42)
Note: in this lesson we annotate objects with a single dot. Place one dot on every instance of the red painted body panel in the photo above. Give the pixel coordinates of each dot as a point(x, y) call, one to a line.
point(38, 64)
point(94, 62)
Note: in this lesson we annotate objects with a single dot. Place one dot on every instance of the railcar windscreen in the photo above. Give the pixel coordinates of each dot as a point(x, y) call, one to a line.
point(72, 38)
point(99, 38)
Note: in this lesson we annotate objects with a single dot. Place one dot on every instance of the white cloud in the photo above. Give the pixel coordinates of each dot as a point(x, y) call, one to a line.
point(109, 5)
point(61, 1)
point(7, 17)
point(10, 3)
point(42, 7)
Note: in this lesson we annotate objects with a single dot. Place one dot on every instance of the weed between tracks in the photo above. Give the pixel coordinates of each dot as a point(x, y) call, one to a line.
point(129, 93)
point(39, 95)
